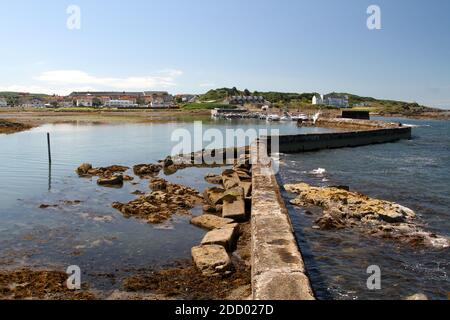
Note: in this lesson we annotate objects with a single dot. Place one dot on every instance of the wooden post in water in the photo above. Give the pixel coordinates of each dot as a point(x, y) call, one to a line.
point(49, 151)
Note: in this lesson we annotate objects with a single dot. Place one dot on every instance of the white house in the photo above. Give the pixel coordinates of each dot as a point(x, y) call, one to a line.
point(331, 100)
point(84, 102)
point(317, 99)
point(3, 102)
point(187, 98)
point(120, 104)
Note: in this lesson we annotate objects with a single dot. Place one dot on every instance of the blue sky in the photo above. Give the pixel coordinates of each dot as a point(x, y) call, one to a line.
point(191, 46)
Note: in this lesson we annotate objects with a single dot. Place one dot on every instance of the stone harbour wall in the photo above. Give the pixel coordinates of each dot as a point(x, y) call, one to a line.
point(356, 123)
point(278, 270)
point(313, 142)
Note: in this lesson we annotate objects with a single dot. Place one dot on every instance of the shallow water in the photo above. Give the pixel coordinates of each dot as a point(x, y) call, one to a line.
point(93, 235)
point(413, 173)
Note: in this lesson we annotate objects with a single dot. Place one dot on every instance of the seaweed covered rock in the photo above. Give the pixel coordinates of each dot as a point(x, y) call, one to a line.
point(159, 206)
point(146, 169)
point(346, 209)
point(115, 180)
point(86, 170)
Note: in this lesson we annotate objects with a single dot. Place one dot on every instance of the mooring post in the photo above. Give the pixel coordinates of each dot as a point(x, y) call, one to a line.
point(49, 151)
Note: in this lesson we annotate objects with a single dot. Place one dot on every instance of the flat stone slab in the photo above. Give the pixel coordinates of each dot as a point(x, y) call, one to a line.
point(211, 260)
point(234, 209)
point(209, 221)
point(225, 237)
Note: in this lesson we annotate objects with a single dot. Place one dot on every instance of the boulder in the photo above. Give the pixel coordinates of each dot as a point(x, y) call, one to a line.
point(84, 169)
point(146, 169)
point(170, 170)
point(225, 237)
point(209, 221)
point(213, 196)
point(211, 260)
point(230, 179)
point(111, 181)
point(167, 162)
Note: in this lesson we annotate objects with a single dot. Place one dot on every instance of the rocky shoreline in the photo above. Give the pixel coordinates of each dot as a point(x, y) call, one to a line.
point(8, 127)
point(223, 256)
point(342, 208)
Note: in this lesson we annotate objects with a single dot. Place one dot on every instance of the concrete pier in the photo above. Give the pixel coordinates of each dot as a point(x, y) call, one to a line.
point(278, 270)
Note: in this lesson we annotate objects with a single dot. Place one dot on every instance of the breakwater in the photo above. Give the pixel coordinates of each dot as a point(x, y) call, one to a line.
point(355, 133)
point(278, 269)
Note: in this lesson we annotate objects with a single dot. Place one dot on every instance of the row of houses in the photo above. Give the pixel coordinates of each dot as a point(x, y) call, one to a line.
point(31, 102)
point(241, 100)
point(151, 99)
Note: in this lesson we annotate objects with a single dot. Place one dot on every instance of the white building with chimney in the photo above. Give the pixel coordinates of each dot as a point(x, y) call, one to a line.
point(332, 100)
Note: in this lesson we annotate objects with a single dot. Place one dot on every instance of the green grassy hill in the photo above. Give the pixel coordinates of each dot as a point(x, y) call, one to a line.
point(303, 100)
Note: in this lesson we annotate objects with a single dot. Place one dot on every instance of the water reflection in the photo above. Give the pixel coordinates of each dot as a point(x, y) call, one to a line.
point(51, 218)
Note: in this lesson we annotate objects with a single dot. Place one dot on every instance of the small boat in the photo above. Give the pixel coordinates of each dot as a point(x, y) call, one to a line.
point(301, 116)
point(286, 118)
point(273, 117)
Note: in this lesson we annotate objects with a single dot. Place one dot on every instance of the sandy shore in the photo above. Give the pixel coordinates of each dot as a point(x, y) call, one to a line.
point(23, 120)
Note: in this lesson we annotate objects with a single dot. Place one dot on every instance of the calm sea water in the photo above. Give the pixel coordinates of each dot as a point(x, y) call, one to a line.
point(93, 235)
point(413, 173)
